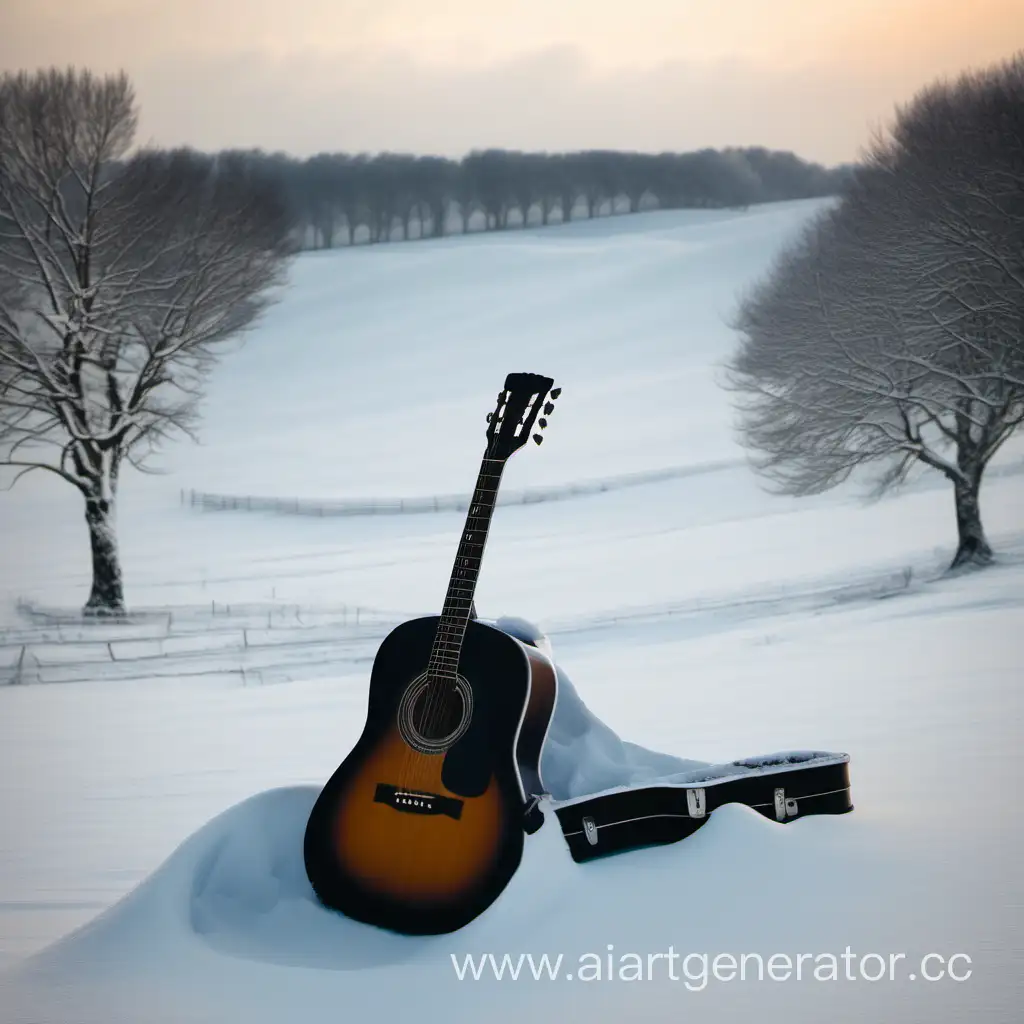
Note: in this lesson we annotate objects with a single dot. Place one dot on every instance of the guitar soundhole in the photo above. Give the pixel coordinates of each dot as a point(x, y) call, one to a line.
point(434, 713)
point(438, 711)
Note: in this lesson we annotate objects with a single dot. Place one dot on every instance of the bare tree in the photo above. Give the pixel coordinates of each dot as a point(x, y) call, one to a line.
point(491, 174)
point(636, 174)
point(525, 184)
point(122, 279)
point(435, 187)
point(892, 331)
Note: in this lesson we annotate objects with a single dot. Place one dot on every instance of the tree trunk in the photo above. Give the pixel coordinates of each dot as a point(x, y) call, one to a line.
point(972, 547)
point(107, 594)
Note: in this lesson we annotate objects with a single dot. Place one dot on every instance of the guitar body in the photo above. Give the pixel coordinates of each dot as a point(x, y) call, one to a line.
point(421, 827)
point(419, 839)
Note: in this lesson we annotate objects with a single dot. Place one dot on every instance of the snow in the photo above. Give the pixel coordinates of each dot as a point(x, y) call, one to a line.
point(150, 853)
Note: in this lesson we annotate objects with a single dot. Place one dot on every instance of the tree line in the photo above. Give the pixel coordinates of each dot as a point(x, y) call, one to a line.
point(341, 199)
point(889, 336)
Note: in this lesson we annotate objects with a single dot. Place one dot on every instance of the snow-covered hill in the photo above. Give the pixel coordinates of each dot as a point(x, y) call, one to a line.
point(696, 617)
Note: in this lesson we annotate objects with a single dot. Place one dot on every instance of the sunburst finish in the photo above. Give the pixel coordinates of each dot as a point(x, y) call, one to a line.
point(422, 826)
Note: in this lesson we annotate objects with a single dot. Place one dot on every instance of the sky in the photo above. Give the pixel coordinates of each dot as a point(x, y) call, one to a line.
point(447, 76)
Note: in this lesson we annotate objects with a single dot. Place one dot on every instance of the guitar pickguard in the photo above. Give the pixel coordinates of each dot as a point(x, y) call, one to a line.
point(469, 765)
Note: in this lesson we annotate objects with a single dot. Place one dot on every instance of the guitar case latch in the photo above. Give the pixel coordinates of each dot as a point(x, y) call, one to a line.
point(696, 803)
point(590, 830)
point(785, 807)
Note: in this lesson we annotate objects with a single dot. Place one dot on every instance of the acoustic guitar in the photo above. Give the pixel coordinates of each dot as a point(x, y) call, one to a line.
point(422, 826)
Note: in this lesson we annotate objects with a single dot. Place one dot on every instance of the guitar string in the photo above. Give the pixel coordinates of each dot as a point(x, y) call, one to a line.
point(438, 706)
point(530, 409)
point(434, 696)
point(436, 693)
point(418, 720)
point(448, 632)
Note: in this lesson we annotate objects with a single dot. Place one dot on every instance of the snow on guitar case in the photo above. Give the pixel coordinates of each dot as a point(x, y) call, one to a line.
point(782, 786)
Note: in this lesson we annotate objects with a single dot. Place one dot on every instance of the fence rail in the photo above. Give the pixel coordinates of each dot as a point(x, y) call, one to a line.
point(265, 643)
point(208, 502)
point(282, 643)
point(211, 502)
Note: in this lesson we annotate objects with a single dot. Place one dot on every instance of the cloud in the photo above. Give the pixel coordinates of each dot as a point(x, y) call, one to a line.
point(551, 99)
point(367, 75)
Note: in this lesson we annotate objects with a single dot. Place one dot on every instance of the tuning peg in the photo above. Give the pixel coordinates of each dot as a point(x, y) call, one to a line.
point(543, 423)
point(549, 408)
point(556, 392)
point(489, 415)
point(538, 438)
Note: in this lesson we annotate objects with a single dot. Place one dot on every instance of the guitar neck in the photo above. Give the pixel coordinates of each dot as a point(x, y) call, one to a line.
point(458, 602)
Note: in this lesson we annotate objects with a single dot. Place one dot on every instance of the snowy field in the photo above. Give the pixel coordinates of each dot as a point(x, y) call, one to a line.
point(161, 809)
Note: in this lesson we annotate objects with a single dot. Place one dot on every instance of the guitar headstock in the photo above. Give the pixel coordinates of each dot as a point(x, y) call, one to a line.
point(523, 399)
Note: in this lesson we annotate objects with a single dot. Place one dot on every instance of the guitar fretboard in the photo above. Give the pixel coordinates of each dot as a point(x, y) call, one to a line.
point(451, 629)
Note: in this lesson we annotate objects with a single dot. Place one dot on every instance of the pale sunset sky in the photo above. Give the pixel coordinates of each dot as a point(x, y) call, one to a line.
point(446, 76)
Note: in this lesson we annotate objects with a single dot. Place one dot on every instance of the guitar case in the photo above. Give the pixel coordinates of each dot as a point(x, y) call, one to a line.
point(782, 787)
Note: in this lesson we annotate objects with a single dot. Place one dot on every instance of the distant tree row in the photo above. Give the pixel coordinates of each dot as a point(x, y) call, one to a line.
point(891, 333)
point(338, 199)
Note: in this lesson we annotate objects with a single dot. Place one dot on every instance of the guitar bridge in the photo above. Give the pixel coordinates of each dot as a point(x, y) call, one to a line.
point(414, 801)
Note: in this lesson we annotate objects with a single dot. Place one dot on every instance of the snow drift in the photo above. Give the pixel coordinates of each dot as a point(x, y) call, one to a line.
point(696, 615)
point(229, 928)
